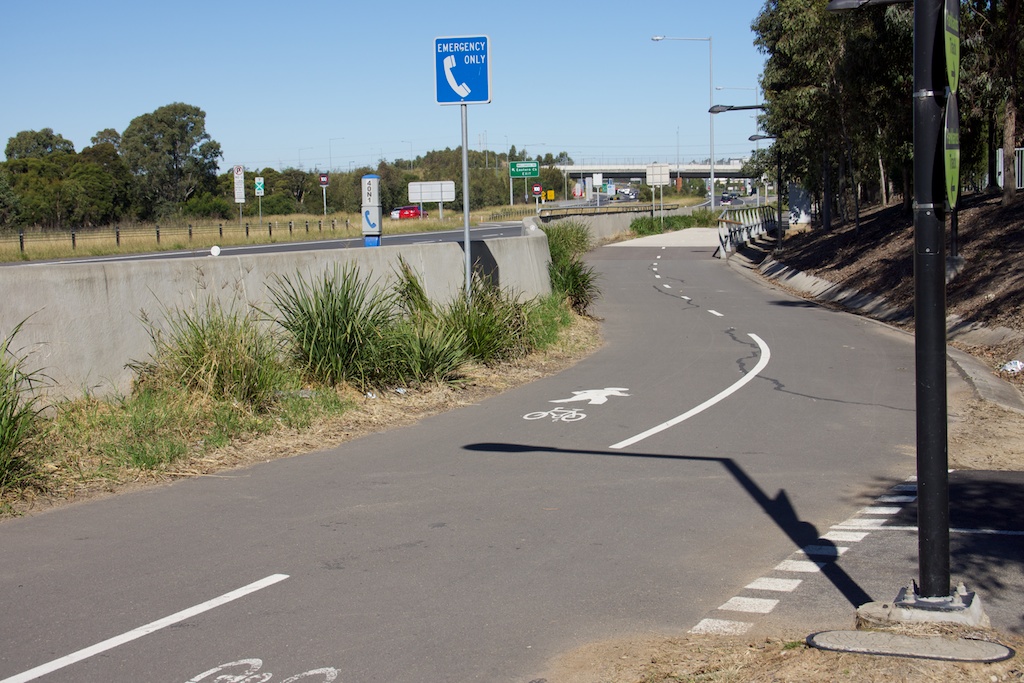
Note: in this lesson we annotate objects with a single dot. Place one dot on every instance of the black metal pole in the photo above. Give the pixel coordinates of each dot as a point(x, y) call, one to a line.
point(930, 301)
point(778, 194)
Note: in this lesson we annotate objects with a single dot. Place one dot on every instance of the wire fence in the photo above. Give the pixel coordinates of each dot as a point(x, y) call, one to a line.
point(115, 238)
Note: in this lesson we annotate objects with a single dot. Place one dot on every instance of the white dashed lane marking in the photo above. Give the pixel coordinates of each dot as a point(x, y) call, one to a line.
point(808, 560)
point(778, 585)
point(755, 605)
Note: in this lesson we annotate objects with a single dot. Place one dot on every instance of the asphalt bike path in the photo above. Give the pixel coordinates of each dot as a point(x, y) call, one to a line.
point(724, 427)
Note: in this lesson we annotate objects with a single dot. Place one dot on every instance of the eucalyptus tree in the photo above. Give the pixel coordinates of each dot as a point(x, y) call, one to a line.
point(171, 156)
point(36, 144)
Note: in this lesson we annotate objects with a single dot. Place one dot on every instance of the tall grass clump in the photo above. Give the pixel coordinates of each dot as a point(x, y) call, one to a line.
point(571, 278)
point(224, 354)
point(431, 350)
point(339, 328)
point(19, 410)
point(495, 322)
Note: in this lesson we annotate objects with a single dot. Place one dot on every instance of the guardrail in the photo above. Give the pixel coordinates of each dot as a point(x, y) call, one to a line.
point(619, 207)
point(736, 227)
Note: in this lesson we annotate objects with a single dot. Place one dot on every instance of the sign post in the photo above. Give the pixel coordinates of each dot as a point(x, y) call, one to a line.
point(462, 69)
point(370, 191)
point(259, 195)
point(323, 188)
point(239, 173)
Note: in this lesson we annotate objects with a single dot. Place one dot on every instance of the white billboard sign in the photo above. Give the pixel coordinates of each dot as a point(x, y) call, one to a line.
point(657, 175)
point(432, 191)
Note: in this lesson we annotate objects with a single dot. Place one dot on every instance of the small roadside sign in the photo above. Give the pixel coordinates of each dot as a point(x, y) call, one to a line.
point(323, 180)
point(239, 173)
point(537, 190)
point(259, 186)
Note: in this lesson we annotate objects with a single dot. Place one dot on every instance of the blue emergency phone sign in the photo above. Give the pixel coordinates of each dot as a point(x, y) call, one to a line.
point(462, 65)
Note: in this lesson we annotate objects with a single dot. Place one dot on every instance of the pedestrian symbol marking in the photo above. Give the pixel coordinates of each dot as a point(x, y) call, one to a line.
point(594, 397)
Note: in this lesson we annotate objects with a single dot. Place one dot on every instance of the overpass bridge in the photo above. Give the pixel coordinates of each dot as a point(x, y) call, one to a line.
point(730, 169)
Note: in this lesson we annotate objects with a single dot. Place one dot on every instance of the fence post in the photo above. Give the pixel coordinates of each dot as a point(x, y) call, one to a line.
point(220, 229)
point(247, 230)
point(291, 224)
point(320, 226)
point(21, 239)
point(189, 232)
point(333, 224)
point(307, 226)
point(117, 235)
point(270, 228)
point(72, 239)
point(158, 234)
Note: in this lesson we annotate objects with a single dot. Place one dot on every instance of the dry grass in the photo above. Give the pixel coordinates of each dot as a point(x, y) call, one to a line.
point(80, 472)
point(174, 234)
point(730, 659)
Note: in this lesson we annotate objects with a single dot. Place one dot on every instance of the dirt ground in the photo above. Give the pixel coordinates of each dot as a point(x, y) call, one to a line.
point(989, 290)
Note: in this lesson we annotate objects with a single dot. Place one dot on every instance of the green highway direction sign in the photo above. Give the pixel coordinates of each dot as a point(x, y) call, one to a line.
point(524, 169)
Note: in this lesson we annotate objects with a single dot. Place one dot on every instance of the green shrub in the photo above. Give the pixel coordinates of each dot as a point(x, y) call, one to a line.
point(207, 206)
point(429, 352)
point(568, 240)
point(339, 329)
point(547, 317)
point(493, 321)
point(572, 279)
point(223, 354)
point(19, 411)
point(578, 283)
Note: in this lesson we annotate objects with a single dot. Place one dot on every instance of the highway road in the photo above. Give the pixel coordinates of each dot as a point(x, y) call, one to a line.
point(721, 427)
point(481, 231)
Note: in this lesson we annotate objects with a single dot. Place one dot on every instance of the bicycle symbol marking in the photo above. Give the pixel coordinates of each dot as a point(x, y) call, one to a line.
point(557, 415)
point(248, 671)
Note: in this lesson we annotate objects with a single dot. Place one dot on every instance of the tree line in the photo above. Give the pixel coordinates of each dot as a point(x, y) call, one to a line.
point(838, 97)
point(166, 165)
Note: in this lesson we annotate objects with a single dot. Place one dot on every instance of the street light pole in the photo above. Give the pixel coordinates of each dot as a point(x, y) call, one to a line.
point(757, 100)
point(711, 101)
point(931, 92)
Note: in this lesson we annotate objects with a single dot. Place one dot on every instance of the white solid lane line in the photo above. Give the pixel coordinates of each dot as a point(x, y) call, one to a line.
point(766, 355)
point(116, 641)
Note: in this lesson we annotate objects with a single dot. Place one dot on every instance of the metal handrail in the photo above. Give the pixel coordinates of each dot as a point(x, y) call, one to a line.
point(736, 227)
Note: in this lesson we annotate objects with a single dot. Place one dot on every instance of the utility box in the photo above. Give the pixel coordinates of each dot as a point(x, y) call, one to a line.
point(370, 191)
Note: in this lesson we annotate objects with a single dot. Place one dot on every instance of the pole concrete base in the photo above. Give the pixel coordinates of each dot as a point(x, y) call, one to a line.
point(961, 607)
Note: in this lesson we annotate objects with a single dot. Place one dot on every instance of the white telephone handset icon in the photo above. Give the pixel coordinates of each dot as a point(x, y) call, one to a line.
point(461, 89)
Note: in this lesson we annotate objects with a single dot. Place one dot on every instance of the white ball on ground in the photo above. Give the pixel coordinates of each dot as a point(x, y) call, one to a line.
point(214, 250)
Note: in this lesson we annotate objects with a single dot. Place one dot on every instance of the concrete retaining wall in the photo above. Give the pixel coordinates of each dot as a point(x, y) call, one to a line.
point(605, 225)
point(83, 320)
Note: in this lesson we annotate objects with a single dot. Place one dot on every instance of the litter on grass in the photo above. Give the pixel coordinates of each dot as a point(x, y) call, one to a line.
point(1013, 367)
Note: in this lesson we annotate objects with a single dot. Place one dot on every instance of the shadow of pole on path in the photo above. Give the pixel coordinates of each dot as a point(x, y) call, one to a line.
point(779, 508)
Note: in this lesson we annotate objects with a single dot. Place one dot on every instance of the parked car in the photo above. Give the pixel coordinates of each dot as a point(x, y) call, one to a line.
point(408, 212)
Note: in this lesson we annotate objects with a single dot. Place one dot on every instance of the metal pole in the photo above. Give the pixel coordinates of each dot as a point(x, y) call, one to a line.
point(778, 195)
point(711, 103)
point(930, 301)
point(465, 197)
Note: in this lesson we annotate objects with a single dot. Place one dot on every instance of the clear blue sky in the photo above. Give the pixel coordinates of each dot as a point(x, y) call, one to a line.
point(343, 83)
